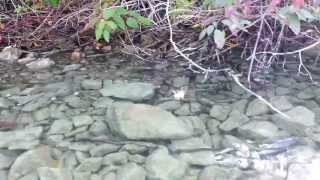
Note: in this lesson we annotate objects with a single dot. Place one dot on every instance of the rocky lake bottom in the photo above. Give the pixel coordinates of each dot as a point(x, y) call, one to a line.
point(116, 119)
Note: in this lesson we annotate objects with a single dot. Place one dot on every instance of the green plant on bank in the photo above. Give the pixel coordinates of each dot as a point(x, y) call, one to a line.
point(118, 19)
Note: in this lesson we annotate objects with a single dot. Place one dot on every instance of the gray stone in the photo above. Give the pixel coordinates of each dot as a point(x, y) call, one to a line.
point(91, 84)
point(90, 165)
point(306, 94)
point(103, 149)
point(95, 177)
point(110, 176)
point(118, 158)
point(99, 128)
point(140, 121)
point(260, 130)
point(299, 119)
point(235, 120)
point(40, 64)
point(220, 173)
point(71, 67)
point(4, 175)
point(179, 82)
point(161, 165)
point(281, 103)
point(41, 114)
point(220, 112)
point(7, 158)
point(30, 176)
point(76, 102)
point(68, 161)
point(183, 110)
point(193, 143)
point(81, 146)
point(81, 175)
point(131, 171)
point(82, 120)
point(131, 91)
point(240, 105)
point(136, 158)
point(10, 54)
point(134, 148)
point(47, 173)
point(195, 107)
point(30, 161)
point(199, 158)
point(61, 126)
point(5, 103)
point(280, 91)
point(21, 139)
point(170, 105)
point(257, 107)
point(213, 126)
point(38, 101)
point(103, 102)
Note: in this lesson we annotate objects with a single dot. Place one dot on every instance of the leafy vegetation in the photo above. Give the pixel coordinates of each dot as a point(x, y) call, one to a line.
point(118, 18)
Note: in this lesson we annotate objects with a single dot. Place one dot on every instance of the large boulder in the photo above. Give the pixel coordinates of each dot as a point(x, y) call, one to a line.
point(141, 121)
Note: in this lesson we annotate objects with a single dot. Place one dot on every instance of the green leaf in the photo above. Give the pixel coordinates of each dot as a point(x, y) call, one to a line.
point(99, 29)
point(111, 25)
point(121, 10)
point(294, 23)
point(144, 21)
point(119, 21)
point(108, 13)
point(210, 29)
point(132, 22)
point(134, 14)
point(106, 35)
point(219, 38)
point(53, 2)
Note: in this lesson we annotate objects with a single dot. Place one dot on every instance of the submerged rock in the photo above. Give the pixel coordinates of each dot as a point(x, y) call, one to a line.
point(21, 139)
point(131, 91)
point(257, 107)
point(40, 64)
point(131, 171)
point(235, 120)
point(30, 161)
point(141, 121)
point(161, 165)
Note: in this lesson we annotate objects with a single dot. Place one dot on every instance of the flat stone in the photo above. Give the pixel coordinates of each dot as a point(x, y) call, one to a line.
point(103, 102)
point(110, 176)
point(4, 174)
point(61, 126)
point(306, 94)
point(131, 171)
point(30, 161)
point(104, 149)
point(41, 114)
point(7, 158)
point(71, 67)
point(170, 105)
point(220, 173)
point(260, 130)
point(280, 91)
point(90, 165)
point(76, 102)
point(193, 143)
point(281, 103)
point(220, 112)
point(118, 158)
point(91, 84)
point(198, 158)
point(235, 120)
point(81, 175)
point(47, 173)
point(141, 121)
point(183, 110)
point(162, 166)
point(257, 107)
point(130, 91)
point(21, 139)
point(82, 120)
point(5, 103)
point(40, 64)
point(300, 119)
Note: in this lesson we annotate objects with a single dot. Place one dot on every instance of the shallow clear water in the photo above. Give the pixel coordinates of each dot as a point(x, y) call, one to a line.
point(121, 119)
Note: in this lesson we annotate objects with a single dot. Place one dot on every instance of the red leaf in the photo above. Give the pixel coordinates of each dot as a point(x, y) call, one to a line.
point(298, 3)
